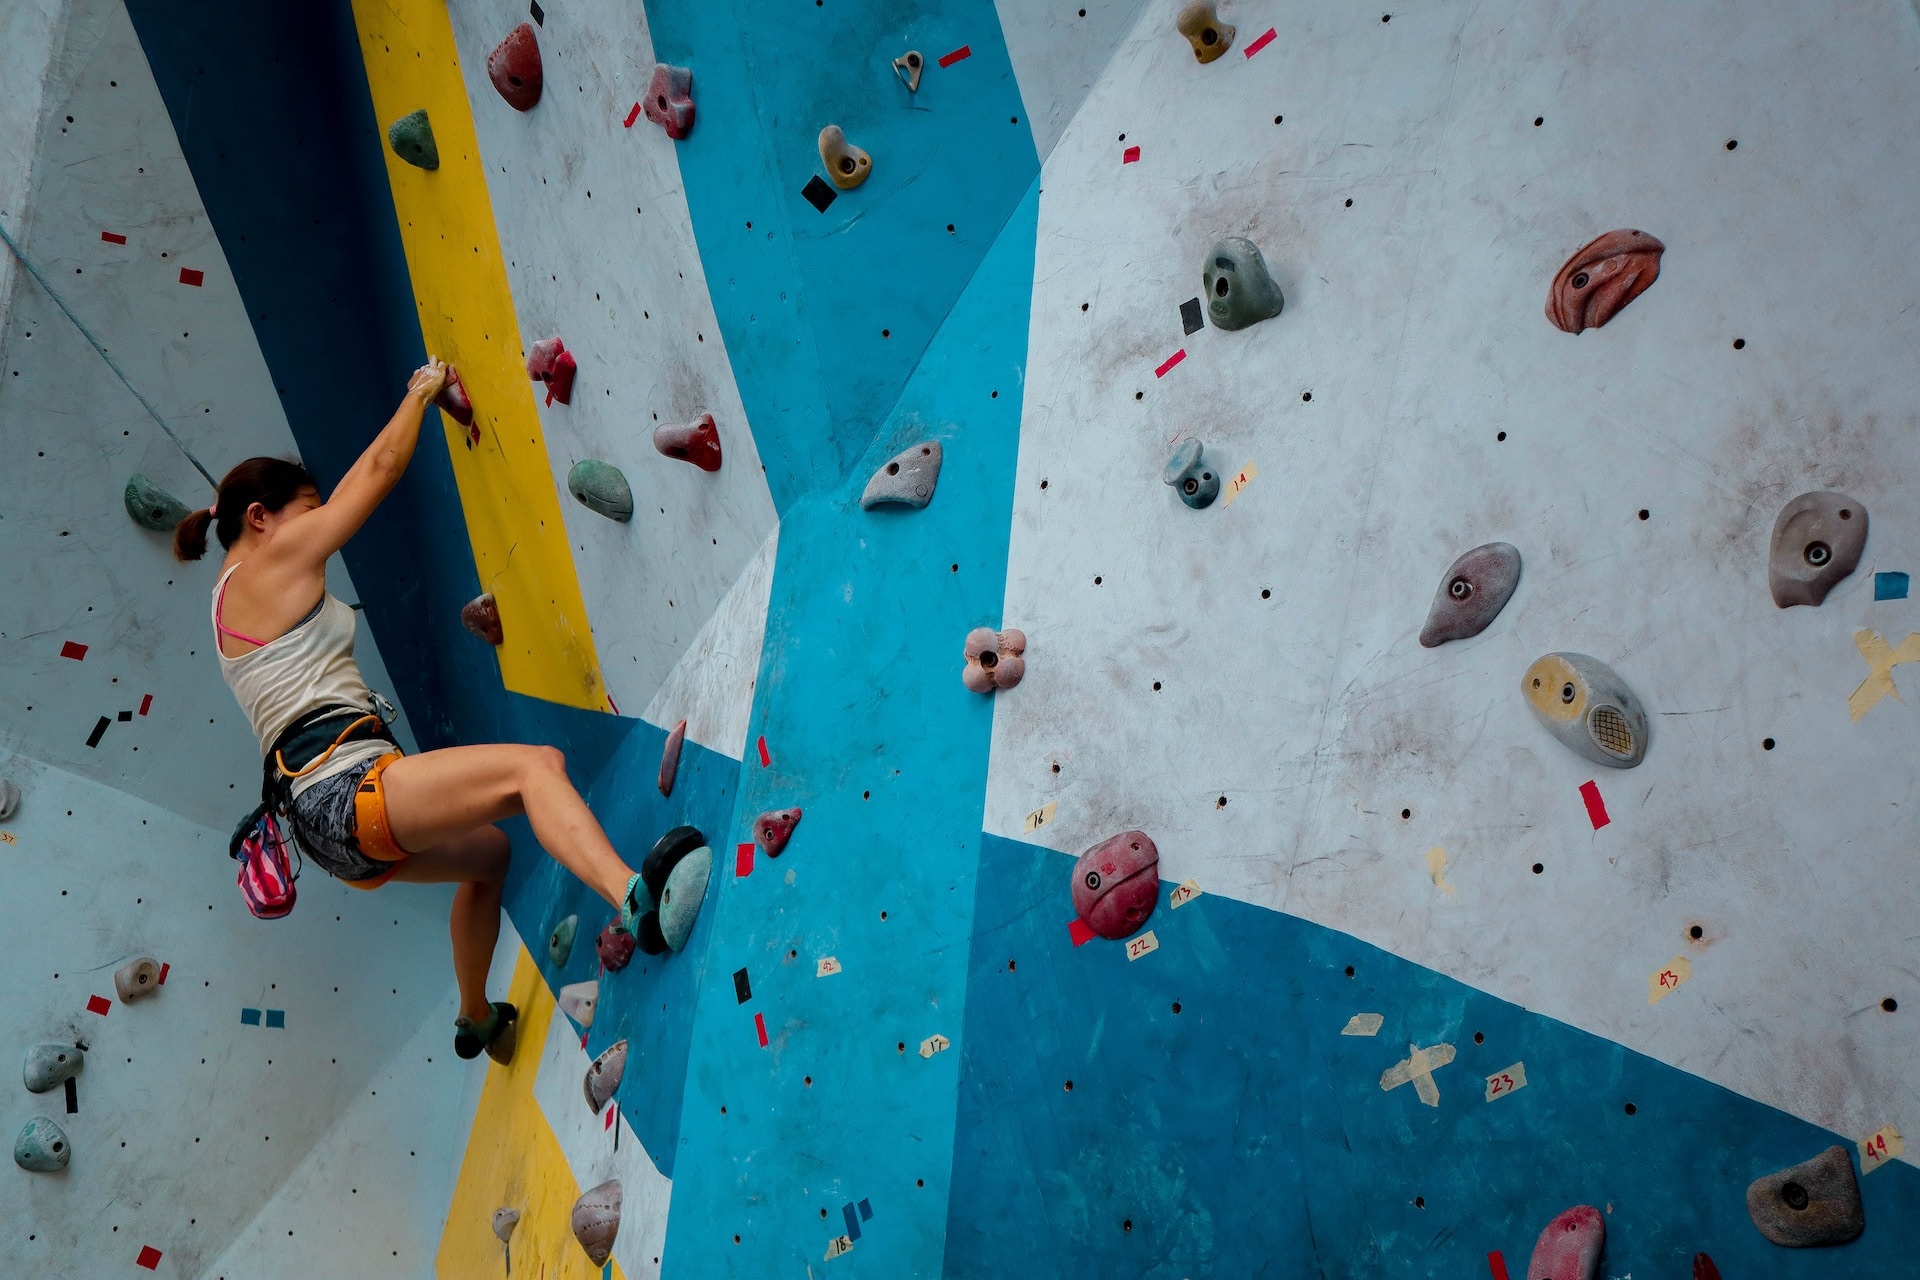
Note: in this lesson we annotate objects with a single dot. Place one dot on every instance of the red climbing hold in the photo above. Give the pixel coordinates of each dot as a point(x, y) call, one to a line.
point(453, 399)
point(669, 102)
point(481, 615)
point(1116, 884)
point(1703, 1268)
point(514, 68)
point(550, 362)
point(615, 948)
point(774, 828)
point(697, 442)
point(1569, 1247)
point(670, 757)
point(1597, 282)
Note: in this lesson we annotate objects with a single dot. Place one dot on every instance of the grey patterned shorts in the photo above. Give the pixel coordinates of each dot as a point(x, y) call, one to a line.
point(325, 825)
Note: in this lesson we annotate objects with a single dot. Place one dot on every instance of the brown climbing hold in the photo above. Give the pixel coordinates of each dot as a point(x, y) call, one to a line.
point(604, 1074)
point(1569, 1247)
point(514, 68)
point(1473, 591)
point(669, 101)
point(481, 615)
point(1813, 1203)
point(1603, 277)
point(697, 442)
point(995, 659)
point(1200, 23)
point(453, 399)
point(1116, 884)
point(774, 828)
point(596, 1220)
point(670, 757)
point(550, 362)
point(1817, 541)
point(846, 164)
point(136, 979)
point(615, 947)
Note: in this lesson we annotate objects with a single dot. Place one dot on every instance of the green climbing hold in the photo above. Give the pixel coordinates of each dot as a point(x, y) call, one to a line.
point(560, 941)
point(1240, 289)
point(41, 1147)
point(50, 1064)
point(411, 138)
point(601, 489)
point(153, 507)
point(680, 901)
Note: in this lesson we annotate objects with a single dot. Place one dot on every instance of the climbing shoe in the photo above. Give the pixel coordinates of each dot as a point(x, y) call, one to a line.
point(637, 902)
point(496, 1035)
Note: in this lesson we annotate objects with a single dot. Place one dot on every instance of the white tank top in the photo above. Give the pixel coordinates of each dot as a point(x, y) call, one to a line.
point(308, 668)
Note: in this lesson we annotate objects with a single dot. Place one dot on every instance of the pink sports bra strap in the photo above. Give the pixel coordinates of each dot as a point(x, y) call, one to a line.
point(219, 602)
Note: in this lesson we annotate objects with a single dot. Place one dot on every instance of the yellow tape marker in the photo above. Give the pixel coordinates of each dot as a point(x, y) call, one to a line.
point(1665, 980)
point(1187, 891)
point(1437, 868)
point(460, 287)
point(827, 967)
point(1880, 1147)
point(837, 1246)
point(1237, 482)
point(1363, 1024)
point(1042, 816)
point(934, 1044)
point(1502, 1083)
point(1881, 660)
point(1145, 944)
point(1418, 1066)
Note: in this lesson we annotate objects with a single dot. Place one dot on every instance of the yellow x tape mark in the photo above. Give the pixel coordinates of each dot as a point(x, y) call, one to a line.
point(1418, 1067)
point(1881, 660)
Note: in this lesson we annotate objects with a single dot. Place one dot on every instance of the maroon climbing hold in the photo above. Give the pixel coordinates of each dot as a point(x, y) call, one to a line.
point(514, 68)
point(453, 400)
point(1474, 590)
point(615, 947)
point(670, 757)
point(550, 362)
point(669, 101)
point(995, 659)
point(697, 442)
point(1569, 1248)
point(1703, 1268)
point(1602, 278)
point(1116, 884)
point(481, 615)
point(774, 828)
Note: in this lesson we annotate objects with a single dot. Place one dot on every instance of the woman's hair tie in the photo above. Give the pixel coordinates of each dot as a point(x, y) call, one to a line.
point(213, 511)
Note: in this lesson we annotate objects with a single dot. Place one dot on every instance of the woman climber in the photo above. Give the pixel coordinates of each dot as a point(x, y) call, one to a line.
point(359, 807)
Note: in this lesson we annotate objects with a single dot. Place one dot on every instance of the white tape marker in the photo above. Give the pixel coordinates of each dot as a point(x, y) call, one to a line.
point(1418, 1066)
point(1363, 1024)
point(1185, 893)
point(1502, 1083)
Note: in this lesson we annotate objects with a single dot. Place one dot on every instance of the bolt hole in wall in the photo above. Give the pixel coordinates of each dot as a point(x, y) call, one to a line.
point(1696, 933)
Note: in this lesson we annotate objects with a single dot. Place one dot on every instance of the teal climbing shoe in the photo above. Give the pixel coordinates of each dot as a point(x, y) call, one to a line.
point(637, 902)
point(496, 1036)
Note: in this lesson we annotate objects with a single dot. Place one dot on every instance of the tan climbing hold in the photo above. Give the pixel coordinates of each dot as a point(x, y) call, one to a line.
point(846, 164)
point(137, 978)
point(1200, 23)
point(908, 67)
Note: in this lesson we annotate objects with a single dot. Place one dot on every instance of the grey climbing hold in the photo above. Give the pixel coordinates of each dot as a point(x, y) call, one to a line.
point(596, 1220)
point(1187, 471)
point(1814, 1203)
point(9, 799)
point(603, 1075)
point(577, 1001)
point(908, 67)
point(42, 1146)
point(560, 941)
point(680, 900)
point(1582, 702)
point(846, 164)
point(481, 615)
point(1475, 588)
point(601, 489)
point(151, 506)
point(504, 1221)
point(50, 1064)
point(411, 138)
point(1202, 27)
point(137, 978)
point(1240, 290)
point(908, 477)
point(1817, 541)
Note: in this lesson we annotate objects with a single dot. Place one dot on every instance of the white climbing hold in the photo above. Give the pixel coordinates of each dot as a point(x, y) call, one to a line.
point(577, 1001)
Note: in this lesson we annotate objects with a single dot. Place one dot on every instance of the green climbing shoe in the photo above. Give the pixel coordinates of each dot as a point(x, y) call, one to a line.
point(496, 1036)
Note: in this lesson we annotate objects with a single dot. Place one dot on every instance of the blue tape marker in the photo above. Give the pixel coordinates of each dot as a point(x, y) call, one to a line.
point(251, 1017)
point(1889, 586)
point(866, 1210)
point(853, 1221)
point(277, 1018)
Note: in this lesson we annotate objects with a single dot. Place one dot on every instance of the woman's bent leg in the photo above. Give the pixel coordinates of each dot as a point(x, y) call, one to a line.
point(439, 796)
point(478, 861)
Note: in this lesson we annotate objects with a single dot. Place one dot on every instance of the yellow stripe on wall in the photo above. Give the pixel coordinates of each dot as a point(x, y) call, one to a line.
point(513, 1160)
point(467, 317)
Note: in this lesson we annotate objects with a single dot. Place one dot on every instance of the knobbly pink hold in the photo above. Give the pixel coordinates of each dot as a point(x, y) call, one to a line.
point(670, 758)
point(1116, 884)
point(697, 442)
point(669, 101)
point(514, 67)
point(453, 399)
point(1569, 1249)
point(550, 362)
point(615, 948)
point(994, 659)
point(774, 828)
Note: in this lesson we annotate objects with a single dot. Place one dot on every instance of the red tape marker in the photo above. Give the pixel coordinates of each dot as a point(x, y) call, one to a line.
point(1129, 155)
point(164, 970)
point(964, 51)
point(1497, 1265)
point(1596, 807)
point(743, 860)
point(765, 759)
point(1080, 931)
point(99, 1005)
point(610, 1111)
point(760, 1028)
point(78, 652)
point(189, 276)
point(633, 115)
point(1261, 43)
point(1171, 361)
point(146, 704)
point(149, 1257)
point(113, 237)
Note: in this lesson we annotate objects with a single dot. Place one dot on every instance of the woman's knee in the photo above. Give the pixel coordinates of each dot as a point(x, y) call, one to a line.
point(544, 761)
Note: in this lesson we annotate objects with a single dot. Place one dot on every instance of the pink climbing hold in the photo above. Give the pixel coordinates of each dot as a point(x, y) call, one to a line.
point(774, 828)
point(1569, 1248)
point(697, 442)
point(1116, 884)
point(615, 948)
point(514, 68)
point(994, 659)
point(550, 362)
point(453, 399)
point(670, 758)
point(669, 101)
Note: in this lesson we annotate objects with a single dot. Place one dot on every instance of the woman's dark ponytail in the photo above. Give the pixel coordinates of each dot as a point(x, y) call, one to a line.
point(271, 482)
point(190, 536)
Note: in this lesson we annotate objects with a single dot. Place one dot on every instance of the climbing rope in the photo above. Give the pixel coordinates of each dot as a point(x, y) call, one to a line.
point(95, 344)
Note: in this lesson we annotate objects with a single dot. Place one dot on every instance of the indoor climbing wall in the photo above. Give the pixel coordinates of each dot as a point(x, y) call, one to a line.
point(1283, 625)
